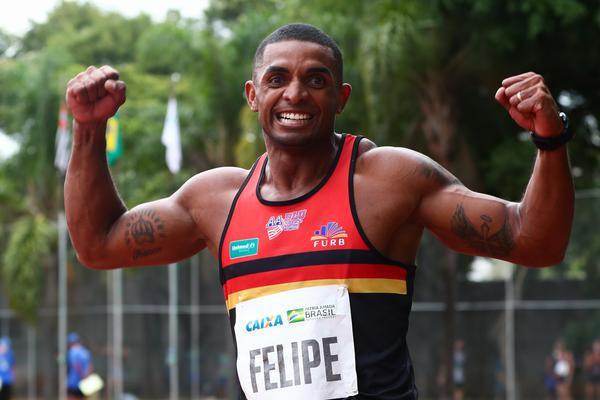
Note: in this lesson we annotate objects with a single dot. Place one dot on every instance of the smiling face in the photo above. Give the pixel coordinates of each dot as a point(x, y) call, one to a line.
point(296, 94)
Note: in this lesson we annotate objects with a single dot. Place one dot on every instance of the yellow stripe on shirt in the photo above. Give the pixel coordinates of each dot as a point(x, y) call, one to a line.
point(355, 285)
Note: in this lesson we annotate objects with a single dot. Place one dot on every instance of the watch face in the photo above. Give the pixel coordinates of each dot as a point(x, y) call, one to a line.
point(553, 142)
point(565, 120)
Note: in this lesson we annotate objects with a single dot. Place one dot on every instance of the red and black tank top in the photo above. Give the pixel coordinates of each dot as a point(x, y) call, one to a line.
point(269, 247)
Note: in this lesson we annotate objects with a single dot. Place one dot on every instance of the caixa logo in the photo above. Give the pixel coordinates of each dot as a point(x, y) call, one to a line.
point(265, 322)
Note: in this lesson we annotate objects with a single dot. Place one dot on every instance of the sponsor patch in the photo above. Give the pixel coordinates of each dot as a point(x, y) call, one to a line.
point(243, 248)
point(310, 313)
point(329, 235)
point(277, 224)
point(296, 315)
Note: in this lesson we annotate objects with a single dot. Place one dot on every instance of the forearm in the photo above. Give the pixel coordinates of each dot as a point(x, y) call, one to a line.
point(92, 203)
point(546, 211)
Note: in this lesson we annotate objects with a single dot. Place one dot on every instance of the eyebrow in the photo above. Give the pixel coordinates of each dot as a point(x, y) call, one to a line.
point(274, 69)
point(323, 70)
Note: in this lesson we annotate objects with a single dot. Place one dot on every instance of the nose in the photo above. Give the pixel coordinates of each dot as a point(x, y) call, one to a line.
point(295, 92)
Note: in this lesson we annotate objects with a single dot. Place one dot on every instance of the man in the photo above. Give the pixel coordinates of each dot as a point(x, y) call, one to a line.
point(591, 371)
point(316, 243)
point(7, 368)
point(79, 366)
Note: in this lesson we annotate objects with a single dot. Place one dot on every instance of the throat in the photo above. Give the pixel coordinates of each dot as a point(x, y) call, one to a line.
point(287, 177)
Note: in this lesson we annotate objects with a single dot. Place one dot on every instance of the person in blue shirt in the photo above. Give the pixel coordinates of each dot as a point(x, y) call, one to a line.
point(79, 365)
point(7, 362)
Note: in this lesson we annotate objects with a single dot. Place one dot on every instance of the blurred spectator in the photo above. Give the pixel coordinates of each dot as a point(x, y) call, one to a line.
point(7, 362)
point(591, 371)
point(458, 369)
point(549, 379)
point(558, 374)
point(499, 380)
point(79, 366)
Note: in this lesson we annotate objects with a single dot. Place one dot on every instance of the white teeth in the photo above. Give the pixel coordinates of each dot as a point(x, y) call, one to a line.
point(294, 116)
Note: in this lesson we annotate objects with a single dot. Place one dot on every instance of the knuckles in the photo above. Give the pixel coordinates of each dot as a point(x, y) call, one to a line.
point(92, 79)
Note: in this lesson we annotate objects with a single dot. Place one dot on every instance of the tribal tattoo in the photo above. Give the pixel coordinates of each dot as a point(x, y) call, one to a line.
point(496, 244)
point(142, 231)
point(441, 176)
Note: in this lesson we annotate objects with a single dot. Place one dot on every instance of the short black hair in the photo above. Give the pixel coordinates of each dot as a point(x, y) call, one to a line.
point(303, 33)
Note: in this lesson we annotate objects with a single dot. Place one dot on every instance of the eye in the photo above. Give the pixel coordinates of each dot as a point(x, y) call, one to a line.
point(316, 81)
point(275, 81)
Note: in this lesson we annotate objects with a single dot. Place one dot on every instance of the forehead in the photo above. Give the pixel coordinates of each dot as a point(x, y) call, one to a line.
point(293, 54)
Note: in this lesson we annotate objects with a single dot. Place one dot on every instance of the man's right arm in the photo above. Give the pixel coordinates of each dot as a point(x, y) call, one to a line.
point(103, 232)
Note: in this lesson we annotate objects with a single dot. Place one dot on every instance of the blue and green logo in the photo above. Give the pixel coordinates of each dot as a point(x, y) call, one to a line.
point(243, 248)
point(295, 315)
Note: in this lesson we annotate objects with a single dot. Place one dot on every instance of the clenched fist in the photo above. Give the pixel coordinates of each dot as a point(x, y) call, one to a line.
point(530, 104)
point(95, 95)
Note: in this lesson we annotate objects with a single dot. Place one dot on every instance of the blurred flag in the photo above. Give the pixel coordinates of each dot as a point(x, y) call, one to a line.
point(114, 141)
point(170, 137)
point(62, 140)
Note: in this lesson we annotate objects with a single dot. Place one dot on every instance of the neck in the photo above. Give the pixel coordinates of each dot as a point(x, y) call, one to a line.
point(294, 170)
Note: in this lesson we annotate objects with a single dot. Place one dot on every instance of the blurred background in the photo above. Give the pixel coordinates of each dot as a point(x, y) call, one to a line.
point(424, 75)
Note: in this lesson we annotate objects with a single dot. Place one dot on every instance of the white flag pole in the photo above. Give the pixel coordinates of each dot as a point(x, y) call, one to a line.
point(194, 328)
point(61, 161)
point(62, 306)
point(117, 334)
point(170, 138)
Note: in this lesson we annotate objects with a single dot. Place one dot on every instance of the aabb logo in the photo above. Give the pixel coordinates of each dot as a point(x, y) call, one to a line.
point(291, 221)
point(330, 235)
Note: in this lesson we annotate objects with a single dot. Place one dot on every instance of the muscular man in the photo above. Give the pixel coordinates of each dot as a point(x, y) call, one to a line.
point(316, 243)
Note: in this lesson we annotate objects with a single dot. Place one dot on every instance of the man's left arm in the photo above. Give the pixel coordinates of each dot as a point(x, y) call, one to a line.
point(533, 232)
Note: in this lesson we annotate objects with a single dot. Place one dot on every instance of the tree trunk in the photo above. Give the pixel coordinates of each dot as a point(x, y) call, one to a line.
point(439, 127)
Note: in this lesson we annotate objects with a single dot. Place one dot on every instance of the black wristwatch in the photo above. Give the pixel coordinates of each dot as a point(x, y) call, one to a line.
point(553, 142)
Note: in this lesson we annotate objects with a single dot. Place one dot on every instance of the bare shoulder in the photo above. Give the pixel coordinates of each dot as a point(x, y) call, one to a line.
point(401, 165)
point(396, 180)
point(208, 197)
point(211, 185)
point(218, 178)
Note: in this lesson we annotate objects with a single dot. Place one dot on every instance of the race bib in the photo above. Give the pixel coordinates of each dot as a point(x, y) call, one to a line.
point(297, 344)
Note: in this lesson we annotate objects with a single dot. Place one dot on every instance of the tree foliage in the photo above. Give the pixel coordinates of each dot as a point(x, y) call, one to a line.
point(23, 263)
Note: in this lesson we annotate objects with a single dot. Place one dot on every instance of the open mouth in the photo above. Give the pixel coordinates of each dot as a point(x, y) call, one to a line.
point(290, 118)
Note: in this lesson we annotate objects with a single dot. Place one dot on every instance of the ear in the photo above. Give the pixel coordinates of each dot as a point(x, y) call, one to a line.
point(343, 97)
point(251, 95)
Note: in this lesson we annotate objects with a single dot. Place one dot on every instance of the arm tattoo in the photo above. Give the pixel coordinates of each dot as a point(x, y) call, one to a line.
point(439, 175)
point(497, 244)
point(142, 231)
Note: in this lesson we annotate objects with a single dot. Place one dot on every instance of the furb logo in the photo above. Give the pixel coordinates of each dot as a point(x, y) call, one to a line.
point(243, 248)
point(330, 235)
point(296, 315)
